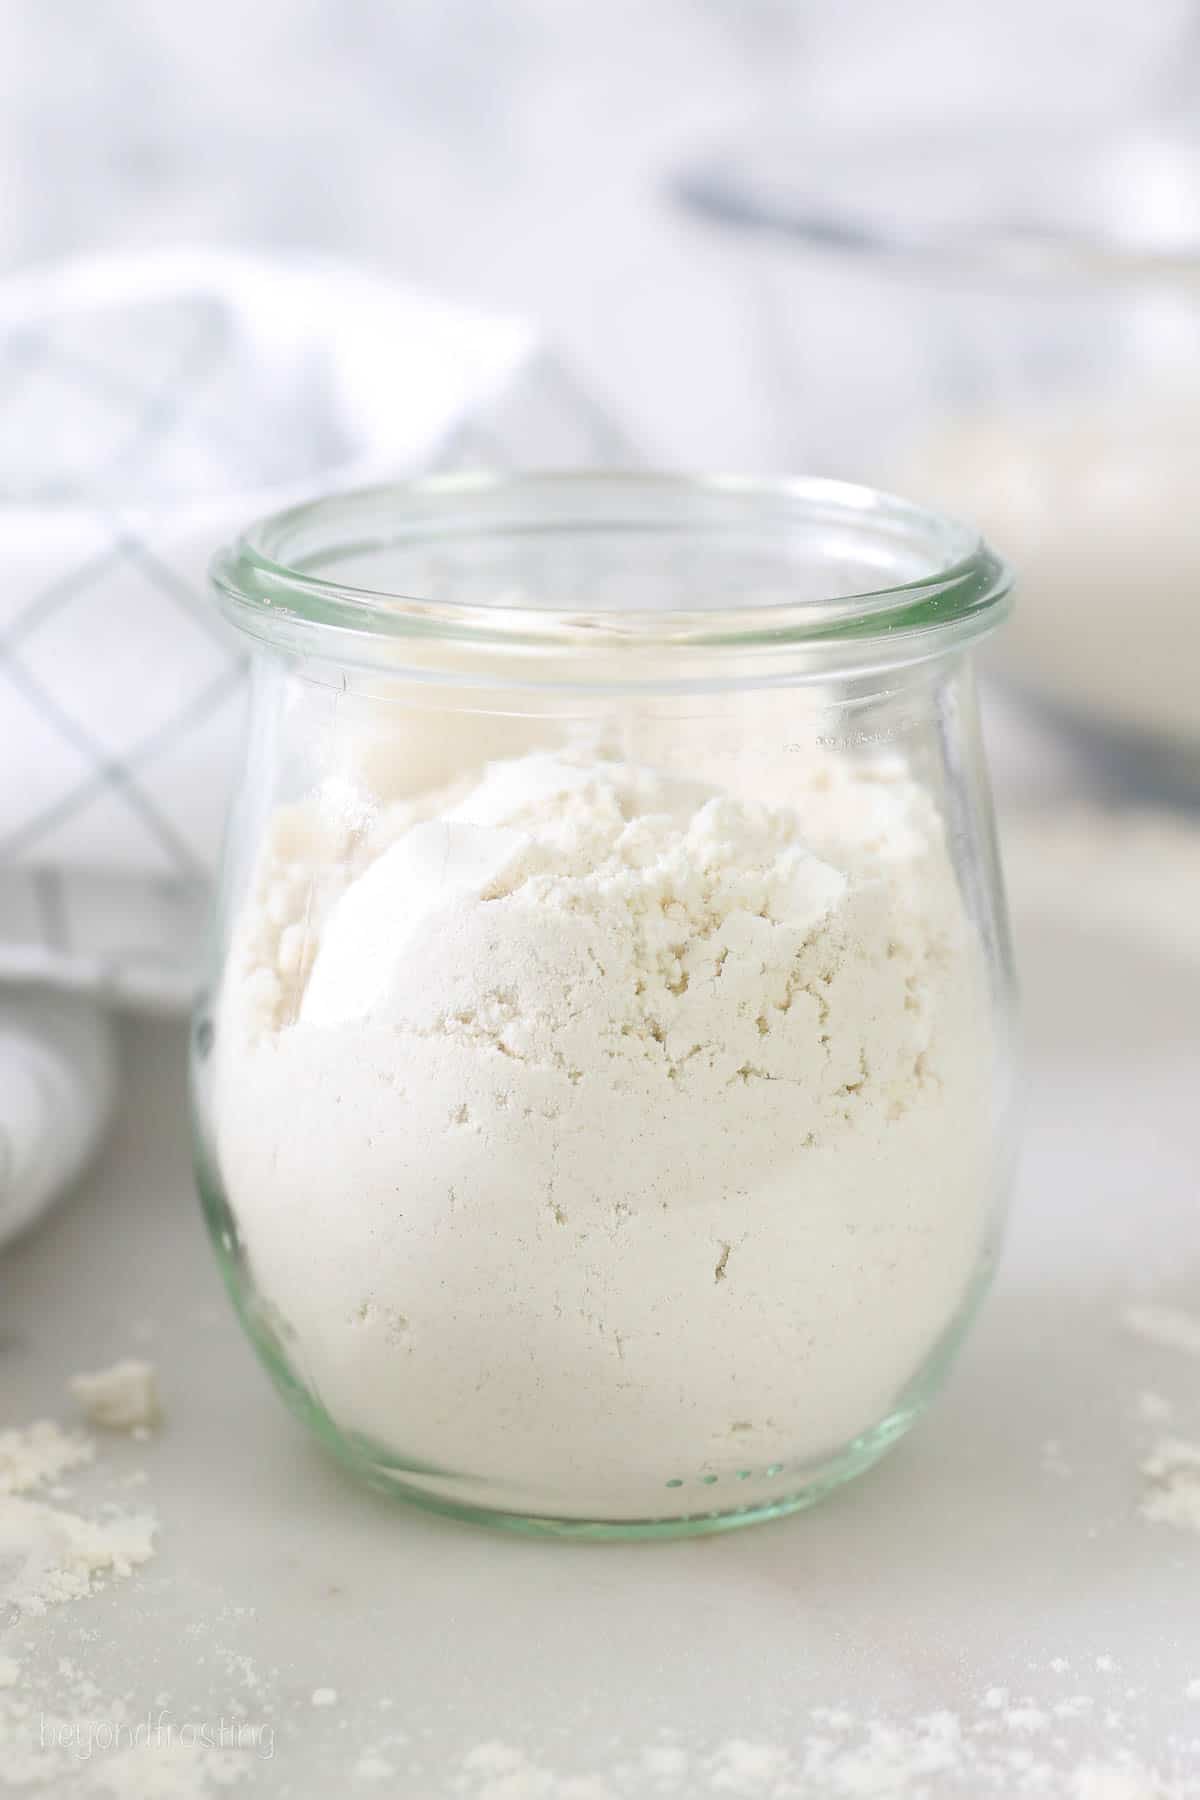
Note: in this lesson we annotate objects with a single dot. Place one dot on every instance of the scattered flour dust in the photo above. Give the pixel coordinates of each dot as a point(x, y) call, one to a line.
point(1012, 1745)
point(437, 1028)
point(123, 1397)
point(82, 1742)
point(47, 1554)
point(39, 1456)
point(169, 1767)
point(841, 1757)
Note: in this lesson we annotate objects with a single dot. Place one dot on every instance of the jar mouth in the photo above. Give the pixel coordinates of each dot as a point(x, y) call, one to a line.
point(603, 565)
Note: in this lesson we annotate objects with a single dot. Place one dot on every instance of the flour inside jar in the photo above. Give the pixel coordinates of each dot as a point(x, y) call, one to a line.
point(604, 1130)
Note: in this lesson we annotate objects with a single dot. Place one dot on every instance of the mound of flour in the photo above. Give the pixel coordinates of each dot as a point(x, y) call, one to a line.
point(596, 1131)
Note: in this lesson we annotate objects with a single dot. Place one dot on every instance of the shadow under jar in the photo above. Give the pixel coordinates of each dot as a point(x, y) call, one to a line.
point(603, 1097)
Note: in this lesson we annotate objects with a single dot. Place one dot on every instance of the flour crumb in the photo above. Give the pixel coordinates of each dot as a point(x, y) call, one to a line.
point(1074, 1707)
point(10, 1671)
point(371, 1767)
point(123, 1397)
point(1059, 1665)
point(1107, 1665)
point(1154, 1409)
point(1192, 1690)
point(1170, 1327)
point(1026, 1718)
point(741, 1767)
point(1172, 1495)
point(324, 1696)
point(497, 1771)
point(1126, 1779)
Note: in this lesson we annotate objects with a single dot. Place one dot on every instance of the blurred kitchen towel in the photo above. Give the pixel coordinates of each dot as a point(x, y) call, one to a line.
point(151, 405)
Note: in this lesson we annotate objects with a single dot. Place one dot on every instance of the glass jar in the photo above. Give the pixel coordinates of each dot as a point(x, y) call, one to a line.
point(603, 1097)
point(1006, 325)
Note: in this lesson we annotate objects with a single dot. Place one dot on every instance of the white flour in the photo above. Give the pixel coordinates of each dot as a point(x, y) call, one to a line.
point(48, 1555)
point(60, 1732)
point(603, 1130)
point(123, 1397)
point(1172, 1494)
point(38, 1455)
point(835, 1754)
point(92, 1748)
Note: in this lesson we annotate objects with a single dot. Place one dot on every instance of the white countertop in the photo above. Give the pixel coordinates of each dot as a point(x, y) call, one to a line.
point(1000, 1547)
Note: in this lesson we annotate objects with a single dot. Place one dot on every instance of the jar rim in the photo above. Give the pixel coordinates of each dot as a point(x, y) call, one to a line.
point(280, 579)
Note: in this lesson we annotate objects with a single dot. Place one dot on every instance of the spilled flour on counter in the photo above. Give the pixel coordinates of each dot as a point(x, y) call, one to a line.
point(645, 1133)
point(1171, 1470)
point(39, 1455)
point(102, 1751)
point(1052, 1742)
point(839, 1756)
point(47, 1554)
point(60, 1732)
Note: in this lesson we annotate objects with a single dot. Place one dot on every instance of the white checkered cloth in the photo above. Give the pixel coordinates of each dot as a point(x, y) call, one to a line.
point(150, 406)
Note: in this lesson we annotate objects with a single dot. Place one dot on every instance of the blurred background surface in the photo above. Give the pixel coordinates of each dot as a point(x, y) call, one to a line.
point(522, 153)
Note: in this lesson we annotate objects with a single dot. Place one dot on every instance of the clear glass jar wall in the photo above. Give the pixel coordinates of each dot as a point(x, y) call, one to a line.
point(603, 1094)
